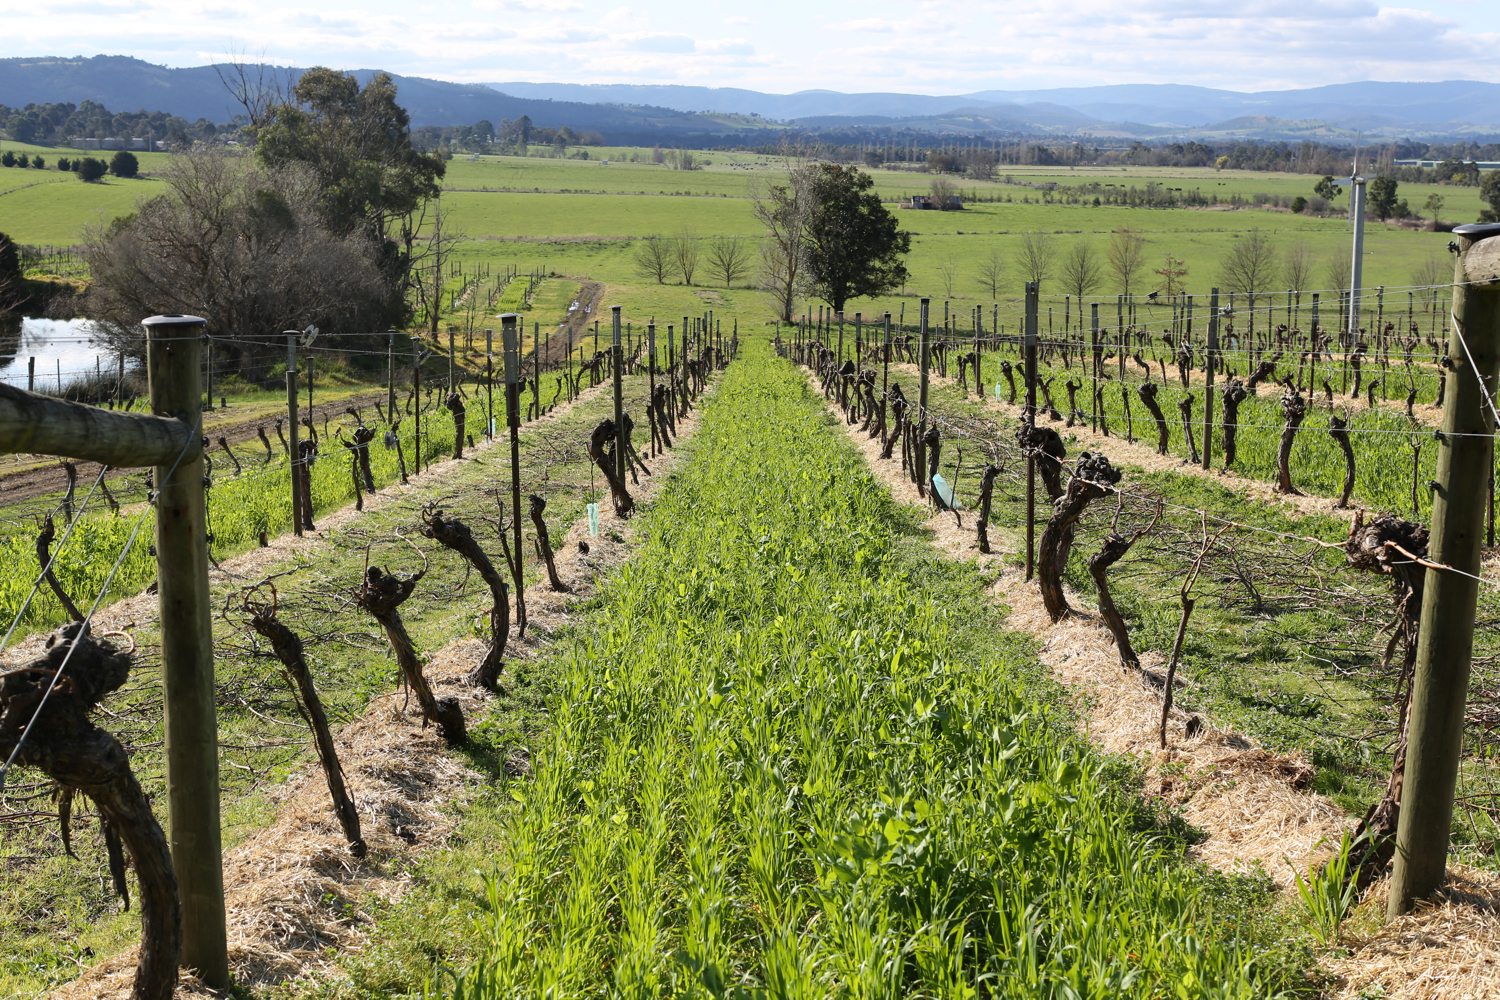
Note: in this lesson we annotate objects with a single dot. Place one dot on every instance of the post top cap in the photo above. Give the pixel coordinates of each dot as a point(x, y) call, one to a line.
point(510, 317)
point(173, 319)
point(1477, 230)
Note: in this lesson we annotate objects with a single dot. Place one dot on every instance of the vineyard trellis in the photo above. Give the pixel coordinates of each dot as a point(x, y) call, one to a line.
point(72, 428)
point(1435, 681)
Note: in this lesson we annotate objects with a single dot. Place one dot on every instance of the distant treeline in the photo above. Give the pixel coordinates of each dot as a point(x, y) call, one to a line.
point(980, 158)
point(62, 122)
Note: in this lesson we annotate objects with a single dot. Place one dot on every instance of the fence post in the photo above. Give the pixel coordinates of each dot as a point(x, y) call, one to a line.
point(489, 383)
point(885, 373)
point(1208, 376)
point(1095, 360)
point(174, 349)
point(510, 342)
point(926, 359)
point(390, 376)
point(293, 457)
point(1445, 640)
point(416, 395)
point(617, 359)
point(1029, 342)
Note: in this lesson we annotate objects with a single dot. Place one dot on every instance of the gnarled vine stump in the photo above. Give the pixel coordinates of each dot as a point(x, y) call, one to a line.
point(1045, 446)
point(602, 453)
point(1147, 391)
point(1293, 408)
point(1373, 547)
point(382, 596)
point(454, 535)
point(1338, 428)
point(1093, 477)
point(66, 746)
point(1234, 395)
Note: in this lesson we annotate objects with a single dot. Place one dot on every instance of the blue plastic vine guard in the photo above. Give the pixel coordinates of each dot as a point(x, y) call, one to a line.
point(944, 492)
point(593, 509)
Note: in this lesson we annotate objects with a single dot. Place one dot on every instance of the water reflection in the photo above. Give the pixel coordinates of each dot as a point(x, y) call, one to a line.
point(62, 350)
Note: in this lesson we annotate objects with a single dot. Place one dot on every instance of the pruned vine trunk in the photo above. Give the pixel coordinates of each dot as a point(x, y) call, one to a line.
point(1147, 391)
point(1110, 552)
point(1373, 547)
point(603, 456)
point(1093, 478)
point(66, 746)
point(287, 646)
point(382, 595)
point(538, 505)
point(454, 535)
point(986, 495)
point(1234, 395)
point(1293, 408)
point(1339, 429)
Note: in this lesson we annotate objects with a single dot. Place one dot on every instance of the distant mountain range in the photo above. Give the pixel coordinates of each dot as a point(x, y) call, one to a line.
point(647, 112)
point(1448, 108)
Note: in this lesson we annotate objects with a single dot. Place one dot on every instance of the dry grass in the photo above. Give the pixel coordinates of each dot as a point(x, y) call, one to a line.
point(1445, 950)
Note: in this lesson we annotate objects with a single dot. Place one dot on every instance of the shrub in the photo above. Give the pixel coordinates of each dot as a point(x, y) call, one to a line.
point(90, 169)
point(124, 164)
point(1298, 204)
point(7, 159)
point(63, 163)
point(23, 160)
point(39, 163)
point(1317, 203)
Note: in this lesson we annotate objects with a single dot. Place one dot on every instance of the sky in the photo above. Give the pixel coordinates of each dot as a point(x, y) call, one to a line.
point(781, 46)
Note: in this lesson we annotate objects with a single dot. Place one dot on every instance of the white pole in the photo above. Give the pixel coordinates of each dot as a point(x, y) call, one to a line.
point(1356, 273)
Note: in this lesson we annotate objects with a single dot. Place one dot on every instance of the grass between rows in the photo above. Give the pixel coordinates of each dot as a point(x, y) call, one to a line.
point(1286, 642)
point(790, 752)
point(57, 913)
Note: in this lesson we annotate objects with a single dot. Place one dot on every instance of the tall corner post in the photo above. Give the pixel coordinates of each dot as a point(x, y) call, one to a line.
point(1033, 307)
point(174, 351)
point(1445, 640)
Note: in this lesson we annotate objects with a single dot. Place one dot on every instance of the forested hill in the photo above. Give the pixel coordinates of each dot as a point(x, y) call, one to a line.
point(198, 92)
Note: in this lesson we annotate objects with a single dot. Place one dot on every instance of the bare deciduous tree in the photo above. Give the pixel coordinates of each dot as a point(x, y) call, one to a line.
point(1127, 255)
point(729, 259)
point(784, 209)
point(1250, 265)
point(685, 254)
point(1037, 256)
point(948, 273)
point(654, 258)
point(1338, 270)
point(992, 272)
point(1298, 266)
point(1080, 270)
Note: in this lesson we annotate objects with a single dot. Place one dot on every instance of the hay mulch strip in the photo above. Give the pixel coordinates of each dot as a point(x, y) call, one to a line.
point(295, 898)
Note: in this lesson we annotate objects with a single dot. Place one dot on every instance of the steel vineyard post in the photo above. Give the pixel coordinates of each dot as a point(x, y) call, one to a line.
point(293, 455)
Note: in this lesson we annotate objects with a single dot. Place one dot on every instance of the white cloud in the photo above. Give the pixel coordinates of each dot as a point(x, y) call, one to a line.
point(931, 46)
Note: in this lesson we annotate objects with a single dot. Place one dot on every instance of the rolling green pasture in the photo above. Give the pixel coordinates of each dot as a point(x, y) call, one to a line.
point(576, 218)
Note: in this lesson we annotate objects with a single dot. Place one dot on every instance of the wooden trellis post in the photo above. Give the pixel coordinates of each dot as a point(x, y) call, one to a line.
point(1445, 638)
point(172, 443)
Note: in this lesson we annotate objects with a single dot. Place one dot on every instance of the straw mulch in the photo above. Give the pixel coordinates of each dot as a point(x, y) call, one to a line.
point(295, 897)
point(1448, 950)
point(1247, 798)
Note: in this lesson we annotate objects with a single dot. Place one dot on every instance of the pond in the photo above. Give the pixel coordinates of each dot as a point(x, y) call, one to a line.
point(49, 354)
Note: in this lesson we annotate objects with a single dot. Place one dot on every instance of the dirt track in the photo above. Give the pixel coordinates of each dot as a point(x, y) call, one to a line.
point(32, 481)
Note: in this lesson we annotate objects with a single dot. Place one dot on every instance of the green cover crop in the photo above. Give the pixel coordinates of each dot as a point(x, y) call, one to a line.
point(792, 754)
